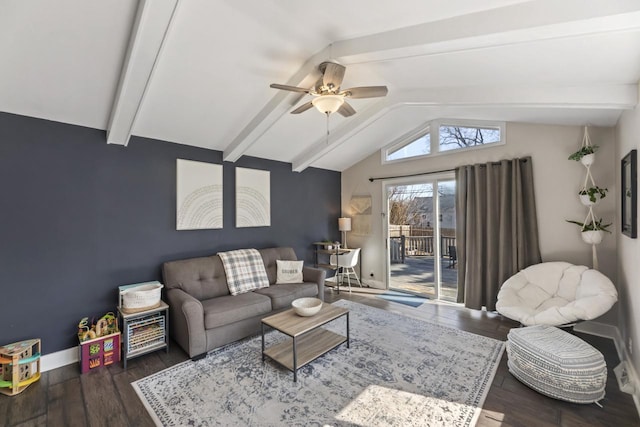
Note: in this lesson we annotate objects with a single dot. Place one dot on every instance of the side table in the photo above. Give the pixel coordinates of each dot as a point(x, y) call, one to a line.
point(144, 332)
point(320, 248)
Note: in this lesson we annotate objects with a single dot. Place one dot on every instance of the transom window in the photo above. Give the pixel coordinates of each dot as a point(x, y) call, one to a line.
point(456, 137)
point(442, 136)
point(410, 147)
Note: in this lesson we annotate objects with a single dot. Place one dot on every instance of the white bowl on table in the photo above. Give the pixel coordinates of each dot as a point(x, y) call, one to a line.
point(306, 306)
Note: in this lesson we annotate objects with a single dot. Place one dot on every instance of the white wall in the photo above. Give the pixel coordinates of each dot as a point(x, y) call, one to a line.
point(556, 179)
point(628, 138)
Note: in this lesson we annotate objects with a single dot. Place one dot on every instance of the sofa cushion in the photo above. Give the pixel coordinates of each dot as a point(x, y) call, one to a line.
point(229, 309)
point(202, 278)
point(282, 295)
point(271, 255)
point(289, 271)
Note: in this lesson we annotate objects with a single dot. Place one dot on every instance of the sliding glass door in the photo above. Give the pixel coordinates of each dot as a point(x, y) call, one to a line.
point(420, 237)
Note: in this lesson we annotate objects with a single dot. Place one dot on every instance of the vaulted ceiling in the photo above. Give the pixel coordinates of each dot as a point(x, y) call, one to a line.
point(197, 72)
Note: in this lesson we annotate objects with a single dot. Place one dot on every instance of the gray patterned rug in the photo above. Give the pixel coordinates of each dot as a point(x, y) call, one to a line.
point(399, 371)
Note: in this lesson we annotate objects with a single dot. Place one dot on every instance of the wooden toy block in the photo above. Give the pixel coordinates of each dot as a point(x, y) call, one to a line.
point(20, 366)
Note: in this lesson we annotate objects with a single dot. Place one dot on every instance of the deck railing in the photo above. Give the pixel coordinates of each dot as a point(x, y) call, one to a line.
point(403, 246)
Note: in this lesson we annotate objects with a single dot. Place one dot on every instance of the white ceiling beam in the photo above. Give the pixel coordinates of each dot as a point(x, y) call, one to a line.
point(514, 24)
point(273, 110)
point(600, 97)
point(150, 30)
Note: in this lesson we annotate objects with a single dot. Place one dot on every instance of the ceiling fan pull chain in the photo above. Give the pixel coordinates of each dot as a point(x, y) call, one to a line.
point(327, 113)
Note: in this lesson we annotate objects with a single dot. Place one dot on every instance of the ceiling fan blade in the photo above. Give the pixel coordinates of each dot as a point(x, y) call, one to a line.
point(346, 110)
point(333, 75)
point(366, 92)
point(302, 108)
point(290, 88)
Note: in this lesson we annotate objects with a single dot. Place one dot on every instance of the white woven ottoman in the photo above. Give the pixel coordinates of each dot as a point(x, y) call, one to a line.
point(556, 363)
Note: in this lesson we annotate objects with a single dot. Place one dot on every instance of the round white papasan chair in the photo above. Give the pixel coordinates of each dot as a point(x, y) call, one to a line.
point(556, 293)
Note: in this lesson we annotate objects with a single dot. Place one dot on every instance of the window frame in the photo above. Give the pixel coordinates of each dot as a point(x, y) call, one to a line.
point(405, 140)
point(432, 128)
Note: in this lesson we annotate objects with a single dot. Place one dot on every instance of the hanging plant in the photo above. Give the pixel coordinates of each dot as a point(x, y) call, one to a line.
point(583, 151)
point(592, 195)
point(593, 231)
point(592, 237)
point(591, 225)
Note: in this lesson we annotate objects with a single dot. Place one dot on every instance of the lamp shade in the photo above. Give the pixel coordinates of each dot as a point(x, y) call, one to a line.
point(328, 104)
point(344, 224)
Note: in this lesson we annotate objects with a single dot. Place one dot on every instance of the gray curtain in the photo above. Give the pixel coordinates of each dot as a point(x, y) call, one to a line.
point(497, 231)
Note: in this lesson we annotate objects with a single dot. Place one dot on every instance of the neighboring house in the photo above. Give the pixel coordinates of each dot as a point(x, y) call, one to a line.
point(424, 208)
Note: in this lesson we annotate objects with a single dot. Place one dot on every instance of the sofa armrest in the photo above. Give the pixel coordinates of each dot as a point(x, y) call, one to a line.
point(187, 322)
point(317, 276)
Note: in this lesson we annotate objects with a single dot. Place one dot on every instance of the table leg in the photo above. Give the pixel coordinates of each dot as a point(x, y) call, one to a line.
point(262, 328)
point(125, 343)
point(166, 328)
point(295, 361)
point(348, 338)
point(338, 268)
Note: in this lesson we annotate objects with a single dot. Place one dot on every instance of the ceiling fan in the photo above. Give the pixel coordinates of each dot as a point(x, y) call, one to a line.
point(329, 98)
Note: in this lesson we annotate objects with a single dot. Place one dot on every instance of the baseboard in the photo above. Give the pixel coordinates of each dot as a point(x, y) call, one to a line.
point(600, 330)
point(612, 332)
point(365, 289)
point(375, 284)
point(59, 359)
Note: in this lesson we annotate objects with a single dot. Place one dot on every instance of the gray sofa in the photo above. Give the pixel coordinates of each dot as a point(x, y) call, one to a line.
point(204, 315)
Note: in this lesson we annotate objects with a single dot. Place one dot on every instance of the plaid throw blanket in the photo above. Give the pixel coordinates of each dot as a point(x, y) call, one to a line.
point(245, 270)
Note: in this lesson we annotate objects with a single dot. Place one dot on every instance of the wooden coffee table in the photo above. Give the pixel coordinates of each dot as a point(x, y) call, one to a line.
point(308, 340)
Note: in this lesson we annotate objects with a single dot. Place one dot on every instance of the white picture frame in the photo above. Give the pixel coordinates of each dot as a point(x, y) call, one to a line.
point(198, 195)
point(253, 198)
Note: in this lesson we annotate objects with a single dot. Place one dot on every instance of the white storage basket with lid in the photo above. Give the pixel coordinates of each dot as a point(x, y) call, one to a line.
point(140, 297)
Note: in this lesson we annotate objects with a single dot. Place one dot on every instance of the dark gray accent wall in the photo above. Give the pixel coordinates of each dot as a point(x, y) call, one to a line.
point(80, 217)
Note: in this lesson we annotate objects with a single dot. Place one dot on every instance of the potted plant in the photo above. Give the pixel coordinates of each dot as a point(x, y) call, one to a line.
point(593, 231)
point(592, 195)
point(585, 154)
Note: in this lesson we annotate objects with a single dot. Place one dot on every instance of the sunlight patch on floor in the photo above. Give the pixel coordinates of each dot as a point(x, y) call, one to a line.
point(383, 406)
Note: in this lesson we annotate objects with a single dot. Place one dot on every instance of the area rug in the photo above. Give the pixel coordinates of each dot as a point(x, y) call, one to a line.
point(399, 371)
point(403, 298)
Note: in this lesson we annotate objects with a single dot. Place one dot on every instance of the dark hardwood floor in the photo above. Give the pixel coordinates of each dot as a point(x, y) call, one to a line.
point(64, 397)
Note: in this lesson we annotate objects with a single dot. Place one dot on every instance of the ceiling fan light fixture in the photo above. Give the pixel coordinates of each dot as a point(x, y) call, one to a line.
point(328, 104)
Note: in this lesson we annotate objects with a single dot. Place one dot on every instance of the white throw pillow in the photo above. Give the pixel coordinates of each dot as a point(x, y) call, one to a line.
point(289, 271)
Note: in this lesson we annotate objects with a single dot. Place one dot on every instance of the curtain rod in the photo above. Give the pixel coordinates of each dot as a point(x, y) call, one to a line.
point(524, 159)
point(410, 175)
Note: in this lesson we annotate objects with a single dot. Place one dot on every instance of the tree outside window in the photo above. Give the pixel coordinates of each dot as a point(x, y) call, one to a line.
point(456, 137)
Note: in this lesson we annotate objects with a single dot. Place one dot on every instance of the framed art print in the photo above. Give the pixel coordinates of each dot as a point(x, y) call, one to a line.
point(629, 194)
point(198, 195)
point(253, 198)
